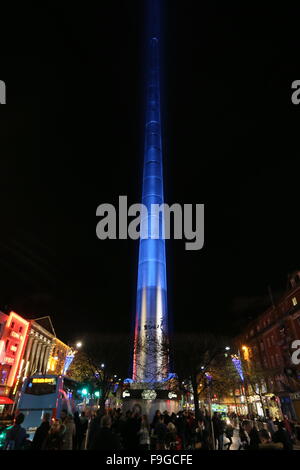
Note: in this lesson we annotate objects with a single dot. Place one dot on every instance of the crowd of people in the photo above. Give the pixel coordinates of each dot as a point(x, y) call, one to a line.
point(114, 430)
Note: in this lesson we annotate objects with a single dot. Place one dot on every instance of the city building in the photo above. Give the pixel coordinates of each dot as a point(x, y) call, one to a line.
point(266, 344)
point(41, 336)
point(28, 347)
point(13, 340)
point(57, 358)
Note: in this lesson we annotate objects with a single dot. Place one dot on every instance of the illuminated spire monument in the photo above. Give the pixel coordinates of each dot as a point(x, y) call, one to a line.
point(149, 387)
point(151, 358)
point(150, 361)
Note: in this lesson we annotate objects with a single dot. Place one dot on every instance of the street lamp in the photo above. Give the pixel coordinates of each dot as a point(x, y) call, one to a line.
point(79, 344)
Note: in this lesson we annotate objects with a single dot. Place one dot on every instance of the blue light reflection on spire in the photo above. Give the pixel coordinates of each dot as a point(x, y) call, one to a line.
point(151, 305)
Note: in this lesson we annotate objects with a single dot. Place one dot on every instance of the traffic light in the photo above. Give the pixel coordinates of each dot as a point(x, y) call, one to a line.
point(97, 394)
point(84, 391)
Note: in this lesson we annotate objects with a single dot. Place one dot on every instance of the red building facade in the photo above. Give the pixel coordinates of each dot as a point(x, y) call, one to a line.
point(268, 342)
point(14, 334)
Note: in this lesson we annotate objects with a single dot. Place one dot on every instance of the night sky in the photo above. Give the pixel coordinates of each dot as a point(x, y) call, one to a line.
point(72, 138)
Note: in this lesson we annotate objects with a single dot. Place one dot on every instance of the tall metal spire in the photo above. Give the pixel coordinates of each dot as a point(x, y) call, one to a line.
point(150, 363)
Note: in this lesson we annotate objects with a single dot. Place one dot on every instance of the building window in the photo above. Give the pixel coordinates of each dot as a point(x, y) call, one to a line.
point(12, 324)
point(294, 300)
point(20, 329)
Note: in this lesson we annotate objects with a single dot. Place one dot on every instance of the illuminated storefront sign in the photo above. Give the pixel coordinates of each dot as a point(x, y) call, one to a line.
point(9, 360)
point(2, 350)
point(15, 335)
point(148, 394)
point(16, 343)
point(158, 394)
point(219, 408)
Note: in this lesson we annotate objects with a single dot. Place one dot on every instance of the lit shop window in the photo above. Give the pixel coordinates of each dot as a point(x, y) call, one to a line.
point(294, 300)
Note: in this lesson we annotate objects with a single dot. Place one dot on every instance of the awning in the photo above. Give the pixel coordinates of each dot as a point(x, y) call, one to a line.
point(6, 401)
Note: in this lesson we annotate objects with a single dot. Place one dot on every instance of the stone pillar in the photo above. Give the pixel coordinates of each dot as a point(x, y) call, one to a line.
point(28, 348)
point(41, 358)
point(46, 357)
point(36, 357)
point(32, 356)
point(27, 354)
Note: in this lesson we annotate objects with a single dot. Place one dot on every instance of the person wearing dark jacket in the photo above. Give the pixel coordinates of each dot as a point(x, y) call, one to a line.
point(266, 442)
point(105, 438)
point(161, 433)
point(281, 435)
point(253, 435)
point(229, 434)
point(41, 433)
point(54, 439)
point(218, 427)
point(94, 427)
point(16, 436)
point(201, 436)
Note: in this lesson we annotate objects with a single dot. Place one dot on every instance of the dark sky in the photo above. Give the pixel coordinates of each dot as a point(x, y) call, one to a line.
point(72, 138)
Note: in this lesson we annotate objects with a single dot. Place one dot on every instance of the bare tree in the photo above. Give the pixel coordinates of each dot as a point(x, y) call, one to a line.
point(193, 354)
point(102, 363)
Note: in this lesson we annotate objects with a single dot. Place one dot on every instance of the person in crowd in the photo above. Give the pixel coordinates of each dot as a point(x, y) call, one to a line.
point(270, 425)
point(63, 415)
point(201, 436)
point(117, 424)
point(41, 433)
point(244, 437)
point(289, 425)
point(69, 434)
point(131, 429)
point(144, 434)
point(171, 436)
point(16, 436)
point(160, 431)
point(229, 434)
point(281, 435)
point(155, 419)
point(218, 426)
point(167, 417)
point(54, 439)
point(252, 432)
point(182, 428)
point(78, 439)
point(266, 441)
point(94, 427)
point(84, 421)
point(105, 438)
